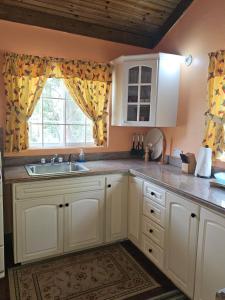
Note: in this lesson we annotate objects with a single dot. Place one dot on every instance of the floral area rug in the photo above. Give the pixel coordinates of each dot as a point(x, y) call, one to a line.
point(105, 273)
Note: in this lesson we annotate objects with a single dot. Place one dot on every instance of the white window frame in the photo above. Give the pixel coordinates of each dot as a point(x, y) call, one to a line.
point(43, 145)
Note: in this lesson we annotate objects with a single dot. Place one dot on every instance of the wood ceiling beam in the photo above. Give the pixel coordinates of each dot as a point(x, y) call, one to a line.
point(177, 13)
point(47, 20)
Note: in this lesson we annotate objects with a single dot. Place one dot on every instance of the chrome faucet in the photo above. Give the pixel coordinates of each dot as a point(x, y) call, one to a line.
point(55, 156)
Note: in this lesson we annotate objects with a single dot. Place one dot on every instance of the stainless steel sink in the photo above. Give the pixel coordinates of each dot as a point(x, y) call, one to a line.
point(55, 169)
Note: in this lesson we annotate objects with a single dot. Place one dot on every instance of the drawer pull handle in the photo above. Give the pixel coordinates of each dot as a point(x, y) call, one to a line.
point(150, 230)
point(150, 250)
point(152, 193)
point(67, 204)
point(193, 215)
point(152, 211)
point(60, 205)
point(109, 185)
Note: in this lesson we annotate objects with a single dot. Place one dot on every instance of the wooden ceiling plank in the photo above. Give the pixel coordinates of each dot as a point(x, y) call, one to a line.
point(146, 4)
point(46, 20)
point(95, 9)
point(133, 28)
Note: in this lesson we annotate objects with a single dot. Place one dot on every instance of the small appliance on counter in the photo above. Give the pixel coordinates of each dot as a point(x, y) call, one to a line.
point(204, 163)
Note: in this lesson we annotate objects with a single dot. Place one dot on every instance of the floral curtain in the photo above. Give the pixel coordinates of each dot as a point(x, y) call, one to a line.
point(24, 78)
point(92, 98)
point(24, 82)
point(215, 115)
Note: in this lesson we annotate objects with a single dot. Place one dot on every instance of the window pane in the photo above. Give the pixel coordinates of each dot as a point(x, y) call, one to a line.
point(53, 134)
point(144, 112)
point(132, 113)
point(75, 134)
point(35, 134)
point(89, 134)
point(145, 93)
point(54, 88)
point(53, 111)
point(133, 75)
point(132, 93)
point(58, 118)
point(37, 113)
point(74, 115)
point(146, 75)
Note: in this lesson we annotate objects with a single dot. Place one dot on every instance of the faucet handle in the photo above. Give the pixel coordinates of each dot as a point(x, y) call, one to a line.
point(70, 158)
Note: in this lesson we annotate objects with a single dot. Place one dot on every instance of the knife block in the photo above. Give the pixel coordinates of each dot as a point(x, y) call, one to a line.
point(189, 168)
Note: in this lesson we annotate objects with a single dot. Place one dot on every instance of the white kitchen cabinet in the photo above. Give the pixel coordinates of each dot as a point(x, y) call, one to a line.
point(56, 216)
point(182, 220)
point(116, 207)
point(39, 228)
point(135, 199)
point(145, 90)
point(83, 222)
point(210, 274)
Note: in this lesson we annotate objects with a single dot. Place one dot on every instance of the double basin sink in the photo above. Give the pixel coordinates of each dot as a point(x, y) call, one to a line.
point(55, 168)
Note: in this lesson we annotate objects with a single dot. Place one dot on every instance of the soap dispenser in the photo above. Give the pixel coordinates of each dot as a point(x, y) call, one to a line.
point(81, 156)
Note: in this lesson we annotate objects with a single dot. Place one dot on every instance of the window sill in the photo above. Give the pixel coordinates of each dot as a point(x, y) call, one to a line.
point(58, 150)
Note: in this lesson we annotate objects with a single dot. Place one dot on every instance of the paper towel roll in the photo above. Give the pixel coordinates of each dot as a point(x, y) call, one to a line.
point(204, 162)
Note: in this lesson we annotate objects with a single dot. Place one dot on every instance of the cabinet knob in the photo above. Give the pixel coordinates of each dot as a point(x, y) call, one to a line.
point(67, 204)
point(150, 250)
point(60, 205)
point(109, 185)
point(193, 215)
point(150, 230)
point(152, 193)
point(152, 211)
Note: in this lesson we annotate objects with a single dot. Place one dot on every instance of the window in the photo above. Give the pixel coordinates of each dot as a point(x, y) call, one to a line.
point(57, 121)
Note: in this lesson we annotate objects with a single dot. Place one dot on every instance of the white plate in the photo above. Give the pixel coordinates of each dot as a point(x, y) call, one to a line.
point(154, 137)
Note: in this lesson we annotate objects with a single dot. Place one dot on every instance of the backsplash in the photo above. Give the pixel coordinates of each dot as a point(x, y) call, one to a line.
point(23, 160)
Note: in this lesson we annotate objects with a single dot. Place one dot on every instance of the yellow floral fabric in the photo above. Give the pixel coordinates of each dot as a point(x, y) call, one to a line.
point(215, 116)
point(22, 94)
point(92, 97)
point(25, 77)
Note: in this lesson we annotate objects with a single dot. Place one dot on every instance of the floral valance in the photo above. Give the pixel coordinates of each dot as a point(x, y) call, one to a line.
point(25, 76)
point(35, 66)
point(216, 64)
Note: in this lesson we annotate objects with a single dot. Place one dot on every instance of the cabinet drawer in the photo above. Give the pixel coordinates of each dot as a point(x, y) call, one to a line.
point(58, 187)
point(153, 231)
point(152, 251)
point(154, 193)
point(154, 211)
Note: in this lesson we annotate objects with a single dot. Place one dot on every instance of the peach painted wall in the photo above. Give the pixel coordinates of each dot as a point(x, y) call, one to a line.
point(201, 30)
point(45, 42)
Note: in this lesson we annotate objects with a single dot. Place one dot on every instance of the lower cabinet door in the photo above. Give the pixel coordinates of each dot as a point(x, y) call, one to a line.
point(116, 207)
point(135, 201)
point(210, 275)
point(182, 220)
point(83, 222)
point(38, 228)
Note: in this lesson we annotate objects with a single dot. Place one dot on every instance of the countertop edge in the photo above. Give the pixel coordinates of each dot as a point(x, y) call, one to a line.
point(191, 197)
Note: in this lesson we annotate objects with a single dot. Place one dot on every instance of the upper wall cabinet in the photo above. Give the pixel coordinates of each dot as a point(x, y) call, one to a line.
point(145, 90)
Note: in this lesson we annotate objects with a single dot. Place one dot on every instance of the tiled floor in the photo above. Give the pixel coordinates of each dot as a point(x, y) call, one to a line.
point(140, 258)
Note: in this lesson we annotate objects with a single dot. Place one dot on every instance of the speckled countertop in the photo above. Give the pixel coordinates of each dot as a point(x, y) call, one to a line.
point(167, 176)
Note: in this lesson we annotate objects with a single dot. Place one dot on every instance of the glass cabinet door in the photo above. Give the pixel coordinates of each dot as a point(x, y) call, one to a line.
point(139, 92)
